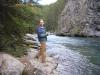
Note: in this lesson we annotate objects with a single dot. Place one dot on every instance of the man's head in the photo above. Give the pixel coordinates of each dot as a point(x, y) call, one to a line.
point(41, 22)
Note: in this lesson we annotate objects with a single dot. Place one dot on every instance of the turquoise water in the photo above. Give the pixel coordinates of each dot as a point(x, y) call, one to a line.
point(89, 47)
point(75, 55)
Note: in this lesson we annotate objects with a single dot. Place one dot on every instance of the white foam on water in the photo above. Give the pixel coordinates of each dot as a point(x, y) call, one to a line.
point(69, 62)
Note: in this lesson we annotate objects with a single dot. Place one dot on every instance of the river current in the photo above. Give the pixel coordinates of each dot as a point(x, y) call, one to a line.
point(75, 55)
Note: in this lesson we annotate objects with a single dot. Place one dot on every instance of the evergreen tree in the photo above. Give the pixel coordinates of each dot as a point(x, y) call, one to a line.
point(16, 19)
point(51, 14)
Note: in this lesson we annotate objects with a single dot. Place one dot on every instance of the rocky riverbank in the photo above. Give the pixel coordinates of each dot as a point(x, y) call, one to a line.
point(28, 64)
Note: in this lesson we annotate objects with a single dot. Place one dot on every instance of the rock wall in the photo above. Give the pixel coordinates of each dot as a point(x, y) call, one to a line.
point(80, 18)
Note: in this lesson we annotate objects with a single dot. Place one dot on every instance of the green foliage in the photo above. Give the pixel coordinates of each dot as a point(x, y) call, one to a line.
point(27, 17)
point(9, 2)
point(15, 21)
point(51, 14)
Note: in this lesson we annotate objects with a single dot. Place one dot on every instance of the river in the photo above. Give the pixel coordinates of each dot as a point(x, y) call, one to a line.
point(75, 55)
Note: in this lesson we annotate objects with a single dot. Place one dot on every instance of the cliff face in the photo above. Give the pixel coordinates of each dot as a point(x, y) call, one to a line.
point(80, 18)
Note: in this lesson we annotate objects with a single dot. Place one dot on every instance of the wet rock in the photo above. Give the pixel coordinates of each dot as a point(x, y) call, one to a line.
point(10, 65)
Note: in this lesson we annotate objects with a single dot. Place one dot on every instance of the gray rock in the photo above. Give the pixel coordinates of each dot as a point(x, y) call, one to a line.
point(10, 65)
point(30, 37)
point(97, 34)
point(79, 17)
point(34, 65)
point(30, 42)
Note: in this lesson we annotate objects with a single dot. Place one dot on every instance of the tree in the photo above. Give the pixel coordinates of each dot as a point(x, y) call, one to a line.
point(16, 19)
point(51, 14)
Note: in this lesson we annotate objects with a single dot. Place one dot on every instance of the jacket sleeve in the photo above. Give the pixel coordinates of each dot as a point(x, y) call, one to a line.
point(41, 32)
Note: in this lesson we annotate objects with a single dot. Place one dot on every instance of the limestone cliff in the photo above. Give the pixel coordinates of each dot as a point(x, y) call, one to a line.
point(80, 18)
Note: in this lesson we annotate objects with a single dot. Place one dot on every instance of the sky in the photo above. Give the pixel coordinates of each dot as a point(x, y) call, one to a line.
point(46, 2)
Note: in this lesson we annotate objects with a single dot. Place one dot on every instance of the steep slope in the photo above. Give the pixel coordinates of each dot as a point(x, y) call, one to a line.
point(80, 18)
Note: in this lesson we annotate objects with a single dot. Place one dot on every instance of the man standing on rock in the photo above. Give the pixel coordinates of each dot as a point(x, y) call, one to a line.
point(42, 37)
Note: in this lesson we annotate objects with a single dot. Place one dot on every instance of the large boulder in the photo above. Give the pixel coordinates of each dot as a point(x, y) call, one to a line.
point(10, 65)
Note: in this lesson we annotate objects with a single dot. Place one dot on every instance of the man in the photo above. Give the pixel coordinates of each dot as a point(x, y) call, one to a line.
point(42, 37)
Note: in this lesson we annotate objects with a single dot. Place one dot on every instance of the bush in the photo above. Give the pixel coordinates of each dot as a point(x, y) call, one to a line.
point(16, 20)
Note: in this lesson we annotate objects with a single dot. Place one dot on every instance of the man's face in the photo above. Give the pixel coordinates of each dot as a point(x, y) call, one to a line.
point(41, 23)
